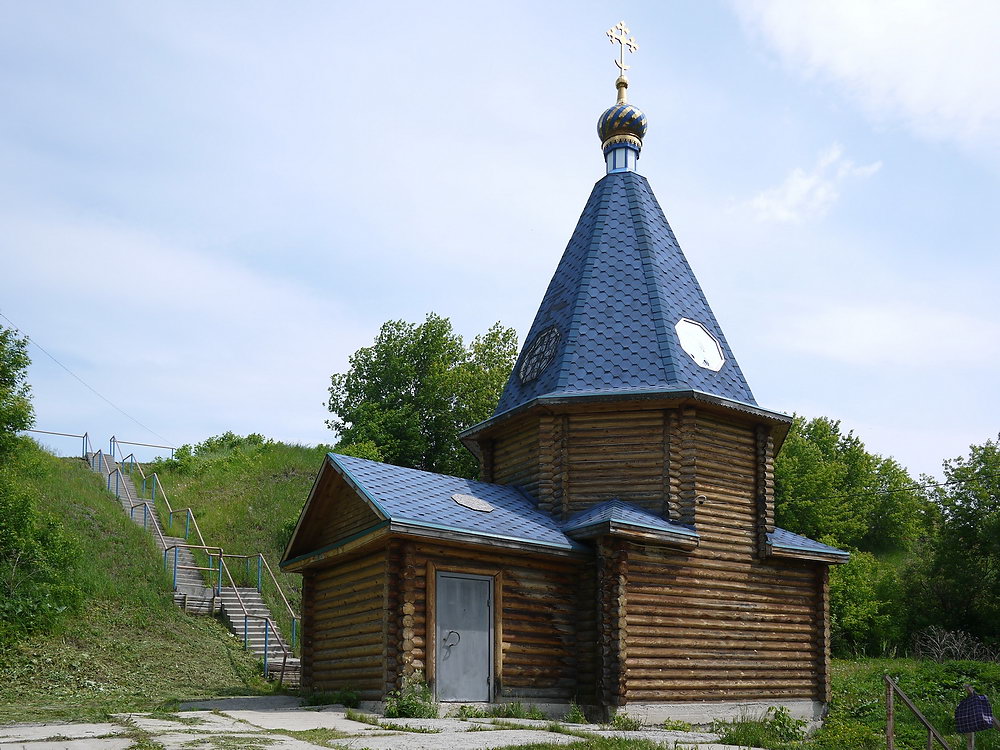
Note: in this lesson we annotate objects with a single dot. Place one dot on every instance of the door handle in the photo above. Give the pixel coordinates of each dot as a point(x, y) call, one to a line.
point(447, 638)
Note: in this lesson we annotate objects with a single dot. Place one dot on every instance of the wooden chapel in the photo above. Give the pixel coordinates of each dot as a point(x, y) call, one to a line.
point(620, 550)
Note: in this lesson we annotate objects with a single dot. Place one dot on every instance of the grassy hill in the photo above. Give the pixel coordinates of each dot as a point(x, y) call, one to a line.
point(128, 647)
point(246, 494)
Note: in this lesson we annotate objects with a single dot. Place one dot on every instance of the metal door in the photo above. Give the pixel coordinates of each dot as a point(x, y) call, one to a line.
point(464, 647)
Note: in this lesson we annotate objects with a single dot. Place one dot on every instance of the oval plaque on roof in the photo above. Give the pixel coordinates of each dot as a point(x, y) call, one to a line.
point(473, 503)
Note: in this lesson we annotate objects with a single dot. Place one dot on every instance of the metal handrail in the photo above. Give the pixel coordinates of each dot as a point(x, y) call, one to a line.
point(85, 437)
point(268, 623)
point(263, 564)
point(151, 510)
point(295, 618)
point(890, 714)
point(116, 441)
point(222, 564)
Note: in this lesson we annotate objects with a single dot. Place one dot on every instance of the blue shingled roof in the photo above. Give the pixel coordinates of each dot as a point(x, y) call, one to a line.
point(787, 540)
point(422, 498)
point(619, 290)
point(618, 511)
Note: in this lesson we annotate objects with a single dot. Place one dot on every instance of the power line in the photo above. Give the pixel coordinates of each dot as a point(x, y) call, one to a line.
point(91, 388)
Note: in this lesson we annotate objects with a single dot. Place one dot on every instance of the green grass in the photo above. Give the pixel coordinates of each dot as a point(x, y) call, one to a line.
point(246, 500)
point(857, 709)
point(129, 648)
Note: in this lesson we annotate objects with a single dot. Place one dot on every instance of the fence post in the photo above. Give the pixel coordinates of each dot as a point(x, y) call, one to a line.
point(175, 567)
point(294, 623)
point(145, 517)
point(187, 525)
point(118, 476)
point(890, 718)
point(156, 480)
point(260, 561)
point(266, 649)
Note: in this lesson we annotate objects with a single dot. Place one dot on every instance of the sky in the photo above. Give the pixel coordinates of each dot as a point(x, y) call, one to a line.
point(208, 206)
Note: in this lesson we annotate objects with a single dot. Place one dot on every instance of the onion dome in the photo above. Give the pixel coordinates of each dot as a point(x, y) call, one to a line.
point(623, 124)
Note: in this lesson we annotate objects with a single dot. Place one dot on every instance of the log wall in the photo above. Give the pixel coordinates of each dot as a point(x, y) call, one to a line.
point(721, 623)
point(343, 626)
point(513, 457)
point(615, 454)
point(546, 631)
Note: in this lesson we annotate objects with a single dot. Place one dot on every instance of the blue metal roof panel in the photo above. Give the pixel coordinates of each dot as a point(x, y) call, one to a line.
point(425, 499)
point(618, 291)
point(788, 540)
point(619, 511)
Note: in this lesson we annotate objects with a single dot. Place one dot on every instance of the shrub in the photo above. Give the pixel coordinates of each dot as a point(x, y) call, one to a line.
point(625, 723)
point(413, 700)
point(676, 725)
point(575, 715)
point(775, 726)
point(38, 566)
point(940, 645)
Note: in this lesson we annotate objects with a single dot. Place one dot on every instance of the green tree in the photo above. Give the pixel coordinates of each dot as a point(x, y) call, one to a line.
point(406, 397)
point(16, 412)
point(866, 603)
point(964, 575)
point(828, 484)
point(37, 561)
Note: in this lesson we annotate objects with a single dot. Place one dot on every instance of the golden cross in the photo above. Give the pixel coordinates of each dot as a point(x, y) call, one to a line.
point(620, 34)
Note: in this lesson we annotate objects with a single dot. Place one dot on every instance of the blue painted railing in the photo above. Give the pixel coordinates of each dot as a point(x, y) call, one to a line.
point(155, 488)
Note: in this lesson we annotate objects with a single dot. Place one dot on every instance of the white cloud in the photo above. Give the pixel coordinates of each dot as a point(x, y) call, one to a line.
point(892, 334)
point(807, 194)
point(931, 65)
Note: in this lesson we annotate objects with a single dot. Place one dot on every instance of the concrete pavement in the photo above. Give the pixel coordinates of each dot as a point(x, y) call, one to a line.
point(279, 723)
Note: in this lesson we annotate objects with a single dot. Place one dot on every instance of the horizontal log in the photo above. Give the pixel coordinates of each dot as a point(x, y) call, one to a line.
point(355, 650)
point(724, 684)
point(674, 598)
point(642, 668)
point(778, 654)
point(706, 693)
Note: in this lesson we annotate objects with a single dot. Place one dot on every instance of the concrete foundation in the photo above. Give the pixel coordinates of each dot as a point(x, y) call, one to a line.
point(700, 714)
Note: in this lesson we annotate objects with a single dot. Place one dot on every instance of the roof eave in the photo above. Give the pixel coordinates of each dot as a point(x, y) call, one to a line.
point(638, 533)
point(800, 553)
point(781, 421)
point(425, 530)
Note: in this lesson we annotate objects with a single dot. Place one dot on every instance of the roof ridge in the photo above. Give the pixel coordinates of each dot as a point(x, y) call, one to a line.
point(649, 274)
point(582, 292)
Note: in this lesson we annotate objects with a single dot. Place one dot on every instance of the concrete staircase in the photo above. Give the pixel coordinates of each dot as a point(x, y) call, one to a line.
point(244, 613)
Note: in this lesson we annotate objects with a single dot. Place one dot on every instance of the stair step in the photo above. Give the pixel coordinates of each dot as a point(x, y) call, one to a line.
point(243, 607)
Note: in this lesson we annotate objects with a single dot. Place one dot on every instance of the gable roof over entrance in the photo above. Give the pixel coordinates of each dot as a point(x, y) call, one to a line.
point(608, 321)
point(418, 502)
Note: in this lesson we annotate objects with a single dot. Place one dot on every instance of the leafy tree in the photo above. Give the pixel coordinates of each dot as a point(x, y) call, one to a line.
point(866, 602)
point(16, 412)
point(964, 575)
point(406, 397)
point(828, 484)
point(37, 561)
